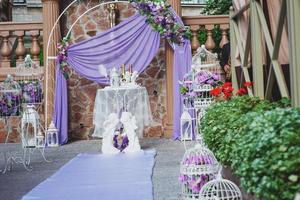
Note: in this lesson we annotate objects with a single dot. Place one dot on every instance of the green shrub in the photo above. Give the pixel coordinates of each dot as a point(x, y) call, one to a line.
point(267, 155)
point(261, 142)
point(217, 7)
point(221, 123)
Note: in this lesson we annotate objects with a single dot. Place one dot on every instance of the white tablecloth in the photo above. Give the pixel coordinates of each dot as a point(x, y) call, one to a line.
point(131, 99)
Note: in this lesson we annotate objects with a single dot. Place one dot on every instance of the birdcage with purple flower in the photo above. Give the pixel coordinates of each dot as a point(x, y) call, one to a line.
point(31, 91)
point(30, 78)
point(10, 98)
point(186, 90)
point(198, 167)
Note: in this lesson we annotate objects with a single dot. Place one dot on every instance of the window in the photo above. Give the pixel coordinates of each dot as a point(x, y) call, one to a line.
point(193, 2)
point(19, 2)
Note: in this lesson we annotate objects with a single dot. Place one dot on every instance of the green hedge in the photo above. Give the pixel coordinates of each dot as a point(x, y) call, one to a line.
point(260, 141)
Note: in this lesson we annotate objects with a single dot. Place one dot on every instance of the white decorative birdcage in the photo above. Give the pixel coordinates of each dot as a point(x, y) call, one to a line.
point(30, 79)
point(198, 167)
point(208, 61)
point(207, 75)
point(220, 189)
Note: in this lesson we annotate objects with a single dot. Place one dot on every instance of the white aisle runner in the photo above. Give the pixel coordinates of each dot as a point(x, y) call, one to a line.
point(100, 177)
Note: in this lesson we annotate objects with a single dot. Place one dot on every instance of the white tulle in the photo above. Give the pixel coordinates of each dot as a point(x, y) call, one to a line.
point(132, 99)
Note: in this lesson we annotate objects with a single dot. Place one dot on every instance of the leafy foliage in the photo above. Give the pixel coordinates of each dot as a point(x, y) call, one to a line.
point(260, 141)
point(268, 156)
point(224, 127)
point(217, 7)
point(216, 34)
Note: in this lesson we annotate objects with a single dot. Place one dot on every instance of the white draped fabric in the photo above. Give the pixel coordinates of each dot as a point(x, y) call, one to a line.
point(131, 99)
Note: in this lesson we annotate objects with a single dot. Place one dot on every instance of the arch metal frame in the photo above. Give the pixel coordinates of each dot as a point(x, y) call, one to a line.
point(69, 31)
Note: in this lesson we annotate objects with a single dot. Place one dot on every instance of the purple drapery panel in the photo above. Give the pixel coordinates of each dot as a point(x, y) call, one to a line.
point(182, 65)
point(61, 106)
point(131, 42)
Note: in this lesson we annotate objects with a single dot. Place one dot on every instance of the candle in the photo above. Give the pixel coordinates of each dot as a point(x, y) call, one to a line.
point(123, 69)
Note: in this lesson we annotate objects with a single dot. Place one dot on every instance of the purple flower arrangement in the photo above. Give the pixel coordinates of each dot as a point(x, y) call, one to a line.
point(32, 92)
point(206, 77)
point(160, 16)
point(195, 183)
point(10, 103)
point(120, 141)
point(63, 56)
point(201, 78)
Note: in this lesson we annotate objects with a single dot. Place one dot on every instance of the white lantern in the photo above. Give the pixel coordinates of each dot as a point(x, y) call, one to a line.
point(30, 117)
point(52, 136)
point(186, 126)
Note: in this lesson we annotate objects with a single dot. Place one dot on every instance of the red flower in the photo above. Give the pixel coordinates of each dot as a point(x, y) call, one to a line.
point(216, 91)
point(227, 84)
point(227, 95)
point(228, 90)
point(242, 92)
point(248, 84)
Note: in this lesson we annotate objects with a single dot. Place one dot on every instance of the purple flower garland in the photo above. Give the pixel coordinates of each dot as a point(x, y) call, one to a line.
point(160, 17)
point(63, 56)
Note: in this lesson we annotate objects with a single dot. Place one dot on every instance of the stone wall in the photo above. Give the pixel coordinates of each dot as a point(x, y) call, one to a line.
point(82, 92)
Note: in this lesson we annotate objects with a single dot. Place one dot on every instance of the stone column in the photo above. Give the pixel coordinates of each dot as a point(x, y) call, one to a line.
point(168, 129)
point(50, 15)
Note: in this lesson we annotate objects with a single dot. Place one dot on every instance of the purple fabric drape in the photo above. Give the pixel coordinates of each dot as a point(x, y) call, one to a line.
point(182, 65)
point(131, 42)
point(61, 106)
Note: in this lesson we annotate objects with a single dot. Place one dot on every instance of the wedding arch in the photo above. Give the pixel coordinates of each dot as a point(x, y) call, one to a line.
point(134, 41)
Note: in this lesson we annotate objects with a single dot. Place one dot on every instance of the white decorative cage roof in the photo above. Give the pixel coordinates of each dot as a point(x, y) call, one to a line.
point(220, 189)
point(199, 160)
point(204, 59)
